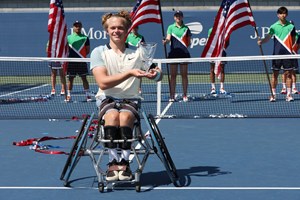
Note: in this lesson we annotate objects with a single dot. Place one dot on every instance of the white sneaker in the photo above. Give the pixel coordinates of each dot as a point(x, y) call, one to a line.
point(185, 99)
point(52, 92)
point(171, 100)
point(222, 91)
point(273, 98)
point(295, 91)
point(125, 173)
point(289, 98)
point(68, 99)
point(112, 174)
point(89, 98)
point(283, 91)
point(213, 91)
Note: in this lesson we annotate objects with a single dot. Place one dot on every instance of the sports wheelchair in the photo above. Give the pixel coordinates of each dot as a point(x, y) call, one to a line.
point(142, 145)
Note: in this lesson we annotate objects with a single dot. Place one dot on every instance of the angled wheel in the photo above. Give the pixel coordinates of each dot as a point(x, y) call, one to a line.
point(76, 150)
point(162, 150)
point(73, 149)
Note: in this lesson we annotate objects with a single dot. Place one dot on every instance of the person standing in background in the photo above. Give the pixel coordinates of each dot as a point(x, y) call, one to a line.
point(57, 66)
point(296, 47)
point(134, 38)
point(212, 74)
point(285, 34)
point(79, 47)
point(179, 35)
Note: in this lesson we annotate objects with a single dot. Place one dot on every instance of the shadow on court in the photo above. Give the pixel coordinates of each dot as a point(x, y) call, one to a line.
point(185, 175)
point(152, 180)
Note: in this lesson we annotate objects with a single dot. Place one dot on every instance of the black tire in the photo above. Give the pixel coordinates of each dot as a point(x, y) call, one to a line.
point(163, 152)
point(101, 187)
point(66, 184)
point(138, 187)
point(73, 149)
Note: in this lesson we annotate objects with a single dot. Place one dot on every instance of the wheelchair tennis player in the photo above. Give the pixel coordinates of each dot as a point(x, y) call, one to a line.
point(117, 71)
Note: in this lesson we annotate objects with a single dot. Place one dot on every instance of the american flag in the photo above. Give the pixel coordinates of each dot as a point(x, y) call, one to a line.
point(57, 28)
point(233, 14)
point(145, 11)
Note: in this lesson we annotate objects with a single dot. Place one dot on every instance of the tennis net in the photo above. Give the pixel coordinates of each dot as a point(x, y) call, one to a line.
point(25, 88)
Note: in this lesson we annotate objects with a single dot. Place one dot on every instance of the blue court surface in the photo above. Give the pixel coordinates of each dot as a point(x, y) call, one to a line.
point(218, 159)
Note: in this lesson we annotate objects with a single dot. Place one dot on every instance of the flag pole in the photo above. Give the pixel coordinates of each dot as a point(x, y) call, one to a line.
point(165, 48)
point(265, 65)
point(262, 53)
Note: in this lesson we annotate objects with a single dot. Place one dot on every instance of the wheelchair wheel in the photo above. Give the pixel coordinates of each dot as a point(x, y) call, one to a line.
point(73, 149)
point(162, 151)
point(76, 151)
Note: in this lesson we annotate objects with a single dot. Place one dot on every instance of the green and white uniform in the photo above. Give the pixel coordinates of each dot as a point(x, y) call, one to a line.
point(134, 40)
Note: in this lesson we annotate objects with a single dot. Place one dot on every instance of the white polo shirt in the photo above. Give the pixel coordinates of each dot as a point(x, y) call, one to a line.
point(104, 56)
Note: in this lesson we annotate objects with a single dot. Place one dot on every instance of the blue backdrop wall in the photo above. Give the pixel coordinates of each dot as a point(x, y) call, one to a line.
point(25, 34)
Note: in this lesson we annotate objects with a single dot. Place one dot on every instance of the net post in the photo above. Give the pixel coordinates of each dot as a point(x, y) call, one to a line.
point(158, 92)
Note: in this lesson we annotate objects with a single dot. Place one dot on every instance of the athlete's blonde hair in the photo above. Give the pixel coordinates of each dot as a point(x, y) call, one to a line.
point(123, 14)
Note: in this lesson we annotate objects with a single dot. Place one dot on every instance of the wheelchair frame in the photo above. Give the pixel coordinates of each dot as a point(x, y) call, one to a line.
point(152, 144)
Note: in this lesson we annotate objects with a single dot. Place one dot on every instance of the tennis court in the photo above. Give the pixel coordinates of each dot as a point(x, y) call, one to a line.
point(226, 146)
point(217, 158)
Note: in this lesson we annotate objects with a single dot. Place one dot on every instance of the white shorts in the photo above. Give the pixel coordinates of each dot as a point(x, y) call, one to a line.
point(55, 65)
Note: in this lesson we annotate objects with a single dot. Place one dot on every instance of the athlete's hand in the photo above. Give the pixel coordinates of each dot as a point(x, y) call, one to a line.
point(138, 73)
point(151, 73)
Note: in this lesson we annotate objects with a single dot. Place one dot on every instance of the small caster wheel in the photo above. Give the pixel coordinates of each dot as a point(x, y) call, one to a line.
point(66, 184)
point(138, 187)
point(101, 187)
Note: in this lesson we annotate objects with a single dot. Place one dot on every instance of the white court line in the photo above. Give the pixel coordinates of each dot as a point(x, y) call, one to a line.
point(33, 88)
point(152, 188)
point(229, 188)
point(34, 188)
point(167, 107)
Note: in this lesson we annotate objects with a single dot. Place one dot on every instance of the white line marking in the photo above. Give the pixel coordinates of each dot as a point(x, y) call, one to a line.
point(37, 87)
point(229, 188)
point(153, 188)
point(35, 188)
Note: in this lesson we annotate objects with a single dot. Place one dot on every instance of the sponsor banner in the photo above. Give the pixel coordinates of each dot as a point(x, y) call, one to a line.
point(25, 34)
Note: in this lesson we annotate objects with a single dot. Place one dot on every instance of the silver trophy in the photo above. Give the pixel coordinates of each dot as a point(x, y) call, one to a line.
point(147, 53)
